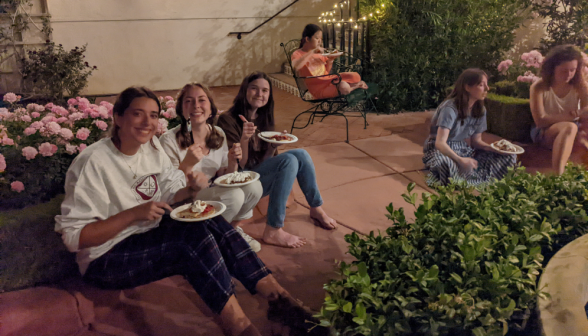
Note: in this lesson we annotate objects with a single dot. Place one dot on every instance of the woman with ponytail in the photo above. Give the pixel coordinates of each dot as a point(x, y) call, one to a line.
point(197, 144)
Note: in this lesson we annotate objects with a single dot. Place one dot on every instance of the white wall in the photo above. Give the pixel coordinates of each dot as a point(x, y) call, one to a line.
point(166, 44)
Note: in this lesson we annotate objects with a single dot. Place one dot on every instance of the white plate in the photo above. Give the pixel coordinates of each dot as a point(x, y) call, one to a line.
point(254, 177)
point(333, 55)
point(265, 135)
point(218, 206)
point(520, 149)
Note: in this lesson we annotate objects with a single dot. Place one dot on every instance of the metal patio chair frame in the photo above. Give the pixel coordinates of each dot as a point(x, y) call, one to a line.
point(335, 106)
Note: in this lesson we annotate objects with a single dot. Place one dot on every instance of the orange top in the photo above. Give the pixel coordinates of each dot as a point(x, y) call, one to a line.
point(315, 66)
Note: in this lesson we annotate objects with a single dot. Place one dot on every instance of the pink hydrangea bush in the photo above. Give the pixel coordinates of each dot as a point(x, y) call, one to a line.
point(44, 139)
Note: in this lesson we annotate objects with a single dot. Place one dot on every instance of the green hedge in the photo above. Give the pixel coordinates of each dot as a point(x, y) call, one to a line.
point(509, 117)
point(467, 265)
point(31, 252)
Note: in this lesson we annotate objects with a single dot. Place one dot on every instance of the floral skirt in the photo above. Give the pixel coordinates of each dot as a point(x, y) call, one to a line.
point(491, 165)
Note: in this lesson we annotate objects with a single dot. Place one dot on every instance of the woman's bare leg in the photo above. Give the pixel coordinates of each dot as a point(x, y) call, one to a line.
point(560, 138)
point(234, 321)
point(344, 88)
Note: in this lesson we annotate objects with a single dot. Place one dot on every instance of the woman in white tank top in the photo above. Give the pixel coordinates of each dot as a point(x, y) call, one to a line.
point(559, 102)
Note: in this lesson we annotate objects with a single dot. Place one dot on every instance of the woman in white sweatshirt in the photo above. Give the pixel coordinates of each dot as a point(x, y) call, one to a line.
point(117, 192)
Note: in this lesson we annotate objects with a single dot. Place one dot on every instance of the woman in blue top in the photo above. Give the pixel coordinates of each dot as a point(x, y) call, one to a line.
point(463, 115)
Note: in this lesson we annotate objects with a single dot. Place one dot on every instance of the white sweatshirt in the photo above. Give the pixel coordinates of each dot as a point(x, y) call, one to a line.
point(209, 165)
point(100, 184)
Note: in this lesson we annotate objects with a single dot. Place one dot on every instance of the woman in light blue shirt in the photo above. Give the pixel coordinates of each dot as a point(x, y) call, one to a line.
point(461, 116)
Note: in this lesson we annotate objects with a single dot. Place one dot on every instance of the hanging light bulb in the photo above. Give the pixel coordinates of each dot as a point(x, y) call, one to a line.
point(335, 6)
point(371, 14)
point(364, 18)
point(350, 19)
point(355, 27)
point(331, 13)
point(383, 5)
point(377, 11)
point(338, 25)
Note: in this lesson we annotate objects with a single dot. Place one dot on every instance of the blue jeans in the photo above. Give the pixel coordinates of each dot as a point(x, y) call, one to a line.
point(277, 178)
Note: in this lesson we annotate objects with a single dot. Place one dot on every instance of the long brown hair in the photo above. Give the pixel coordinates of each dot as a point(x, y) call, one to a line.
point(557, 56)
point(214, 140)
point(123, 101)
point(461, 97)
point(265, 114)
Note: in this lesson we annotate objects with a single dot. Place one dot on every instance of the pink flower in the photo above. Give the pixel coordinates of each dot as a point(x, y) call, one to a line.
point(83, 133)
point(76, 116)
point(94, 113)
point(36, 125)
point(29, 152)
point(165, 114)
point(169, 98)
point(61, 120)
point(58, 110)
point(81, 147)
point(101, 125)
point(35, 114)
point(7, 141)
point(103, 112)
point(48, 106)
point(2, 163)
point(29, 131)
point(66, 133)
point(71, 149)
point(39, 108)
point(26, 118)
point(17, 186)
point(532, 58)
point(170, 103)
point(504, 65)
point(161, 126)
point(11, 97)
point(47, 149)
point(53, 128)
point(83, 103)
point(172, 112)
point(72, 101)
point(5, 115)
point(48, 118)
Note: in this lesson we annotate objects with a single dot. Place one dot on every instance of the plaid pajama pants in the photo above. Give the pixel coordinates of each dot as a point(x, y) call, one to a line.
point(491, 165)
point(208, 254)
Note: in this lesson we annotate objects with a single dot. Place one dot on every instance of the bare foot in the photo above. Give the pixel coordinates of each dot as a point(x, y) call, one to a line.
point(320, 219)
point(363, 85)
point(279, 237)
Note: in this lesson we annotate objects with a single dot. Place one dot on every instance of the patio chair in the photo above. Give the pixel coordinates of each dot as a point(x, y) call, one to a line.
point(359, 98)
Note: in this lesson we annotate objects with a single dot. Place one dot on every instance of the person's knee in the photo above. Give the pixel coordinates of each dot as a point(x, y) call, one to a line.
point(288, 161)
point(569, 130)
point(253, 190)
point(235, 197)
point(300, 154)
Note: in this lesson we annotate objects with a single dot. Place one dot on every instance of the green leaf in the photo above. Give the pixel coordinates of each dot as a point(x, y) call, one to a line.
point(456, 277)
point(347, 307)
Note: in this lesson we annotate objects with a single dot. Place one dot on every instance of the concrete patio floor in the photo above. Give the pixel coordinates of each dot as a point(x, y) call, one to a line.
point(357, 181)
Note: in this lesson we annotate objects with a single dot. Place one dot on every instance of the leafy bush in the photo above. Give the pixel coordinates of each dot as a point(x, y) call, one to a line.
point(39, 142)
point(52, 71)
point(566, 22)
point(418, 48)
point(467, 265)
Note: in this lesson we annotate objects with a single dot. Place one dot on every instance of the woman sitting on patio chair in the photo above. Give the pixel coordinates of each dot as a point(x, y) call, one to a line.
point(253, 110)
point(559, 102)
point(308, 61)
point(463, 115)
point(116, 193)
point(198, 145)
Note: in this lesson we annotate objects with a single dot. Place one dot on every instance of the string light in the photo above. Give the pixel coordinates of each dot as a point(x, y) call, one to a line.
point(335, 6)
point(338, 25)
point(355, 27)
point(364, 18)
point(371, 14)
point(350, 19)
point(378, 11)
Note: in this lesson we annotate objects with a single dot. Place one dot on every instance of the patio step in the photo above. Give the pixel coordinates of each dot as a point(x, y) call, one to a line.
point(287, 83)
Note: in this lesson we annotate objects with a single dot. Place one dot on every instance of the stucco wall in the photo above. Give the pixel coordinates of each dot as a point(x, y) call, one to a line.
point(165, 44)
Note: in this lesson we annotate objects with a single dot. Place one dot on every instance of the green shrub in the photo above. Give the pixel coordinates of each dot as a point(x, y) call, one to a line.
point(506, 88)
point(418, 48)
point(467, 265)
point(52, 71)
point(509, 117)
